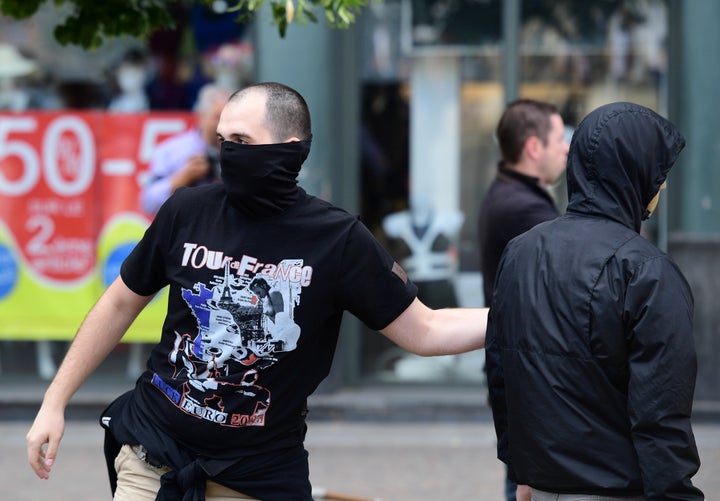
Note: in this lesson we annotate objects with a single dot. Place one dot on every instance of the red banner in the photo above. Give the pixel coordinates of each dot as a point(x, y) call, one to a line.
point(69, 211)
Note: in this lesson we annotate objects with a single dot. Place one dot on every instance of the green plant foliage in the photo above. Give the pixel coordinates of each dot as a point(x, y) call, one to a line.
point(92, 21)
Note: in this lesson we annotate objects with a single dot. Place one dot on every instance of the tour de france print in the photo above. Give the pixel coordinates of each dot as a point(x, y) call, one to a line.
point(245, 321)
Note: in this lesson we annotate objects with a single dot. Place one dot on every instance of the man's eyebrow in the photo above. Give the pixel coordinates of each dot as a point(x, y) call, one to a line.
point(238, 136)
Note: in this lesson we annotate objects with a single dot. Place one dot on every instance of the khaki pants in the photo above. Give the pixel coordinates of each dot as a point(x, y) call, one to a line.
point(138, 481)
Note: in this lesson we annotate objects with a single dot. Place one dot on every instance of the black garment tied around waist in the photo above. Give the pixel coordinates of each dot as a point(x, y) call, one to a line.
point(280, 475)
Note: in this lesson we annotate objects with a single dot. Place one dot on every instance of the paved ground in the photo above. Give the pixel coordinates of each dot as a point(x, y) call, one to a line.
point(391, 443)
point(392, 461)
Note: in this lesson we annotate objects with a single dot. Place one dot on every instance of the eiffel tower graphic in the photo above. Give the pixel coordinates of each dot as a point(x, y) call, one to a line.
point(226, 297)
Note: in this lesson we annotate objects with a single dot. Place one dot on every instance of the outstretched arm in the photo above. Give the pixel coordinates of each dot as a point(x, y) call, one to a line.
point(99, 333)
point(447, 331)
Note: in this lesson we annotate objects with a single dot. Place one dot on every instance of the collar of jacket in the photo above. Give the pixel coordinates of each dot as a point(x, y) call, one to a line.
point(509, 175)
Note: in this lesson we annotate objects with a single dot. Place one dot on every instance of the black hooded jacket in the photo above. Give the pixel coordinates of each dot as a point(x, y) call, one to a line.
point(590, 356)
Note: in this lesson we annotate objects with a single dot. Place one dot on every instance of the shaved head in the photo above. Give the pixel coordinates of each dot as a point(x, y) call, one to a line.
point(286, 112)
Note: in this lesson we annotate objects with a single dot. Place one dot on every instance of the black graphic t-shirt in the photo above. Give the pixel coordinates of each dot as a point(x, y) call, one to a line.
point(253, 316)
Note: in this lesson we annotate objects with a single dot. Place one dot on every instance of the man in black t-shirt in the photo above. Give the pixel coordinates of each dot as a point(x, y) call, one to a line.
point(259, 275)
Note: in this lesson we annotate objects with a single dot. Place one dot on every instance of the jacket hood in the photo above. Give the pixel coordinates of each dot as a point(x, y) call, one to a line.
point(619, 156)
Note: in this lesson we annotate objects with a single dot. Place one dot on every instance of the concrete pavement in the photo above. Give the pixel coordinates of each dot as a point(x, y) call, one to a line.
point(392, 461)
point(394, 444)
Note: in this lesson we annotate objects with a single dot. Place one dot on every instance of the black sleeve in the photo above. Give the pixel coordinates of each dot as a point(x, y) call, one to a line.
point(144, 270)
point(371, 285)
point(663, 368)
point(496, 387)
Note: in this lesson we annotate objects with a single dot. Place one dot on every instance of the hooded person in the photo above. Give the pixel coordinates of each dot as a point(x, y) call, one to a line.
point(590, 353)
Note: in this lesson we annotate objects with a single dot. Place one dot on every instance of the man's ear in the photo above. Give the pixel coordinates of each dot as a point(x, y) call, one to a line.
point(533, 146)
point(292, 140)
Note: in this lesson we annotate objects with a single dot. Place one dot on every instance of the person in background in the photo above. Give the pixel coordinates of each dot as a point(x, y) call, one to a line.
point(14, 67)
point(190, 158)
point(220, 411)
point(590, 355)
point(131, 78)
point(531, 137)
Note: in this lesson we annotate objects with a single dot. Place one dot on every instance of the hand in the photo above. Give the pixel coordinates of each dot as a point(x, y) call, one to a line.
point(523, 493)
point(43, 440)
point(197, 168)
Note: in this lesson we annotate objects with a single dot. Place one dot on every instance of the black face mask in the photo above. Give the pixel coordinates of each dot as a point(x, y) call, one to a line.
point(261, 179)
